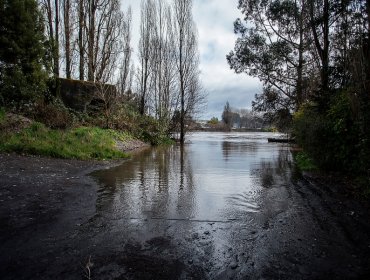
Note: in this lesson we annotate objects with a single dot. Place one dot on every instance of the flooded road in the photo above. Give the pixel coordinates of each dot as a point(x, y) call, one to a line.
point(224, 206)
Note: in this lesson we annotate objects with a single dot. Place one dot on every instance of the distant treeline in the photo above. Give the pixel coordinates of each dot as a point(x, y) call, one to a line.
point(243, 118)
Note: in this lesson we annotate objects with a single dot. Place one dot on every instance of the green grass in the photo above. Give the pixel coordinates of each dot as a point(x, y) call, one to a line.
point(79, 143)
point(304, 162)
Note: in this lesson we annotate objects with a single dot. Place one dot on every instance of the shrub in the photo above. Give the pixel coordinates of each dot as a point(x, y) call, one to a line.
point(332, 138)
point(53, 114)
point(150, 131)
point(309, 130)
point(213, 121)
point(304, 162)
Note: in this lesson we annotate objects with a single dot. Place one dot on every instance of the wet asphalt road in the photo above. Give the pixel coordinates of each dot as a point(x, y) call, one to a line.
point(57, 222)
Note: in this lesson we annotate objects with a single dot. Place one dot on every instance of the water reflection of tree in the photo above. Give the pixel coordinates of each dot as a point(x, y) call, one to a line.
point(156, 183)
point(185, 193)
point(226, 147)
point(269, 173)
point(246, 148)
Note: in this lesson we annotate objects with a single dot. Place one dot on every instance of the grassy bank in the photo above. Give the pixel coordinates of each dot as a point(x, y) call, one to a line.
point(77, 143)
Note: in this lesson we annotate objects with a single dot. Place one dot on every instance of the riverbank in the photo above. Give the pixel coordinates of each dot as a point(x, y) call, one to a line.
point(25, 136)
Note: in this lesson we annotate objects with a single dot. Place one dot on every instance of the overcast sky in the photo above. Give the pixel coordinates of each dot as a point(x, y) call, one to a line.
point(214, 20)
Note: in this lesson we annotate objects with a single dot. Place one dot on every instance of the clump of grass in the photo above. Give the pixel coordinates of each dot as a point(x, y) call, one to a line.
point(304, 162)
point(78, 143)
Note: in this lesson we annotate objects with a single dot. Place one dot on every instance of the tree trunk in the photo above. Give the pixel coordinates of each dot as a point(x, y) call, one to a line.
point(182, 116)
point(367, 51)
point(325, 58)
point(322, 50)
point(91, 41)
point(67, 34)
point(56, 43)
point(81, 45)
point(299, 98)
point(182, 88)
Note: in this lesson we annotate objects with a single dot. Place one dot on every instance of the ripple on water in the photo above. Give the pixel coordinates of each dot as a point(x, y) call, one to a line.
point(245, 202)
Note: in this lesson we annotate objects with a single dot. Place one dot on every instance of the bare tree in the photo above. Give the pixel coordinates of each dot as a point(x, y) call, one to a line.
point(103, 33)
point(51, 10)
point(144, 71)
point(67, 34)
point(56, 51)
point(186, 58)
point(125, 79)
point(90, 31)
point(81, 37)
point(170, 97)
point(107, 100)
point(163, 65)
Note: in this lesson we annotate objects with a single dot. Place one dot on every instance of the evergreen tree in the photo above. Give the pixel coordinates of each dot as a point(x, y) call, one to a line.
point(227, 115)
point(22, 53)
point(273, 45)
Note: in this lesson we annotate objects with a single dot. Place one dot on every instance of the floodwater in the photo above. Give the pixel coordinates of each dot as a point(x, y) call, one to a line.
point(202, 204)
point(215, 177)
point(223, 206)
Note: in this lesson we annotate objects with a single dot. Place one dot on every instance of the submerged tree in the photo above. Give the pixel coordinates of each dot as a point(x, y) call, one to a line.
point(145, 49)
point(187, 60)
point(168, 81)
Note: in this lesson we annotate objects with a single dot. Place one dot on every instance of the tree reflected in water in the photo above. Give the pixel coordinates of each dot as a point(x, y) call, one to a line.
point(157, 182)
